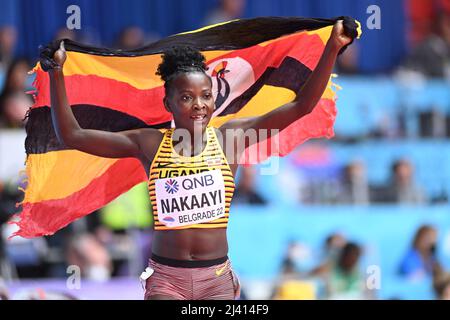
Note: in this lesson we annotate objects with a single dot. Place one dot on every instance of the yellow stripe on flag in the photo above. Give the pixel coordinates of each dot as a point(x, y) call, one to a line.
point(323, 33)
point(47, 173)
point(138, 72)
point(267, 99)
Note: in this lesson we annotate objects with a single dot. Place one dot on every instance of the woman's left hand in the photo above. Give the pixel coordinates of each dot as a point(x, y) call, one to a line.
point(338, 37)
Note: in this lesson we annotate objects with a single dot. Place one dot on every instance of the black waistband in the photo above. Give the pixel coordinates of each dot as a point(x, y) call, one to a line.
point(188, 263)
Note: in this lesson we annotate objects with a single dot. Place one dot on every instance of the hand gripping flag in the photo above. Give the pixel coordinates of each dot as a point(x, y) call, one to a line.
point(256, 65)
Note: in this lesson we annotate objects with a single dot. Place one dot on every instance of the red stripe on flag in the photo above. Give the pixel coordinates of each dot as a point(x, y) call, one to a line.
point(317, 124)
point(146, 105)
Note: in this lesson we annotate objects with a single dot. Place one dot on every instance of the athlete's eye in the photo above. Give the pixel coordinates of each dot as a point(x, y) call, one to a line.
point(185, 98)
point(207, 96)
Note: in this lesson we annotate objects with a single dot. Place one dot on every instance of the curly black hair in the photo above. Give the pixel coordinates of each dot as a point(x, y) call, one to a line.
point(180, 59)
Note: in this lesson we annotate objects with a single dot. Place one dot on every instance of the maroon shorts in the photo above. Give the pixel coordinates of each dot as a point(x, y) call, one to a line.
point(192, 280)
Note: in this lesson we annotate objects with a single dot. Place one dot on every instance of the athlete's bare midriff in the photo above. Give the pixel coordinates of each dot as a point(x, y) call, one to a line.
point(190, 244)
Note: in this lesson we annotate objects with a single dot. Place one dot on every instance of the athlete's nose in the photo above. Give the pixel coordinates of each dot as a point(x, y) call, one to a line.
point(198, 105)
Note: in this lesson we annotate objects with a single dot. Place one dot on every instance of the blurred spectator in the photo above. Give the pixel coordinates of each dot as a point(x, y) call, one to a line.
point(343, 279)
point(87, 35)
point(432, 122)
point(299, 254)
point(8, 40)
point(347, 62)
point(388, 126)
point(320, 191)
point(125, 226)
point(334, 243)
point(7, 203)
point(246, 191)
point(290, 285)
point(441, 286)
point(288, 269)
point(65, 33)
point(131, 38)
point(420, 14)
point(354, 188)
point(333, 246)
point(91, 256)
point(431, 58)
point(14, 102)
point(420, 261)
point(401, 189)
point(227, 10)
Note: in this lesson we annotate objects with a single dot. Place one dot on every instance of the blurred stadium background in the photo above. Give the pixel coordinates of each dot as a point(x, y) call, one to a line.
point(364, 215)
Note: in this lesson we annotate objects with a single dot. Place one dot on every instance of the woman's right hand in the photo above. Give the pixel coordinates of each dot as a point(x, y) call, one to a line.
point(52, 56)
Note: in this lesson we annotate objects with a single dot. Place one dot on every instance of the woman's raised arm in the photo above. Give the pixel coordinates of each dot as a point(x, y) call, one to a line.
point(100, 143)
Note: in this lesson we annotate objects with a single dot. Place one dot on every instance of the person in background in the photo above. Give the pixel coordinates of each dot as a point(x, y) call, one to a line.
point(65, 33)
point(441, 285)
point(420, 15)
point(354, 188)
point(345, 279)
point(342, 277)
point(291, 283)
point(347, 63)
point(333, 246)
point(8, 40)
point(131, 38)
point(402, 188)
point(124, 227)
point(14, 102)
point(246, 192)
point(420, 261)
point(226, 11)
point(431, 58)
point(87, 252)
point(299, 254)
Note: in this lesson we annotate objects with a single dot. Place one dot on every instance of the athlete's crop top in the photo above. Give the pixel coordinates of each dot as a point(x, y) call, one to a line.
point(190, 192)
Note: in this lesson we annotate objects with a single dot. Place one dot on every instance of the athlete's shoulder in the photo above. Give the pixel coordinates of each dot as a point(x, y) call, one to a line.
point(152, 132)
point(150, 137)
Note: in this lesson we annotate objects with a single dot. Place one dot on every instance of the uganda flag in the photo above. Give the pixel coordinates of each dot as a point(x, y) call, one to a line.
point(256, 65)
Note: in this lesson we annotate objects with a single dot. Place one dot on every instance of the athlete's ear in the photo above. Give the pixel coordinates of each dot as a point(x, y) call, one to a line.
point(166, 104)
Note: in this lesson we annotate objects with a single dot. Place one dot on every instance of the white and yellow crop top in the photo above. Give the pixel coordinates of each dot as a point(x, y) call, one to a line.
point(190, 192)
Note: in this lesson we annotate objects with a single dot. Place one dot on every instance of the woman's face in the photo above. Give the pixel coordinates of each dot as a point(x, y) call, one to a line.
point(190, 100)
point(428, 239)
point(18, 77)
